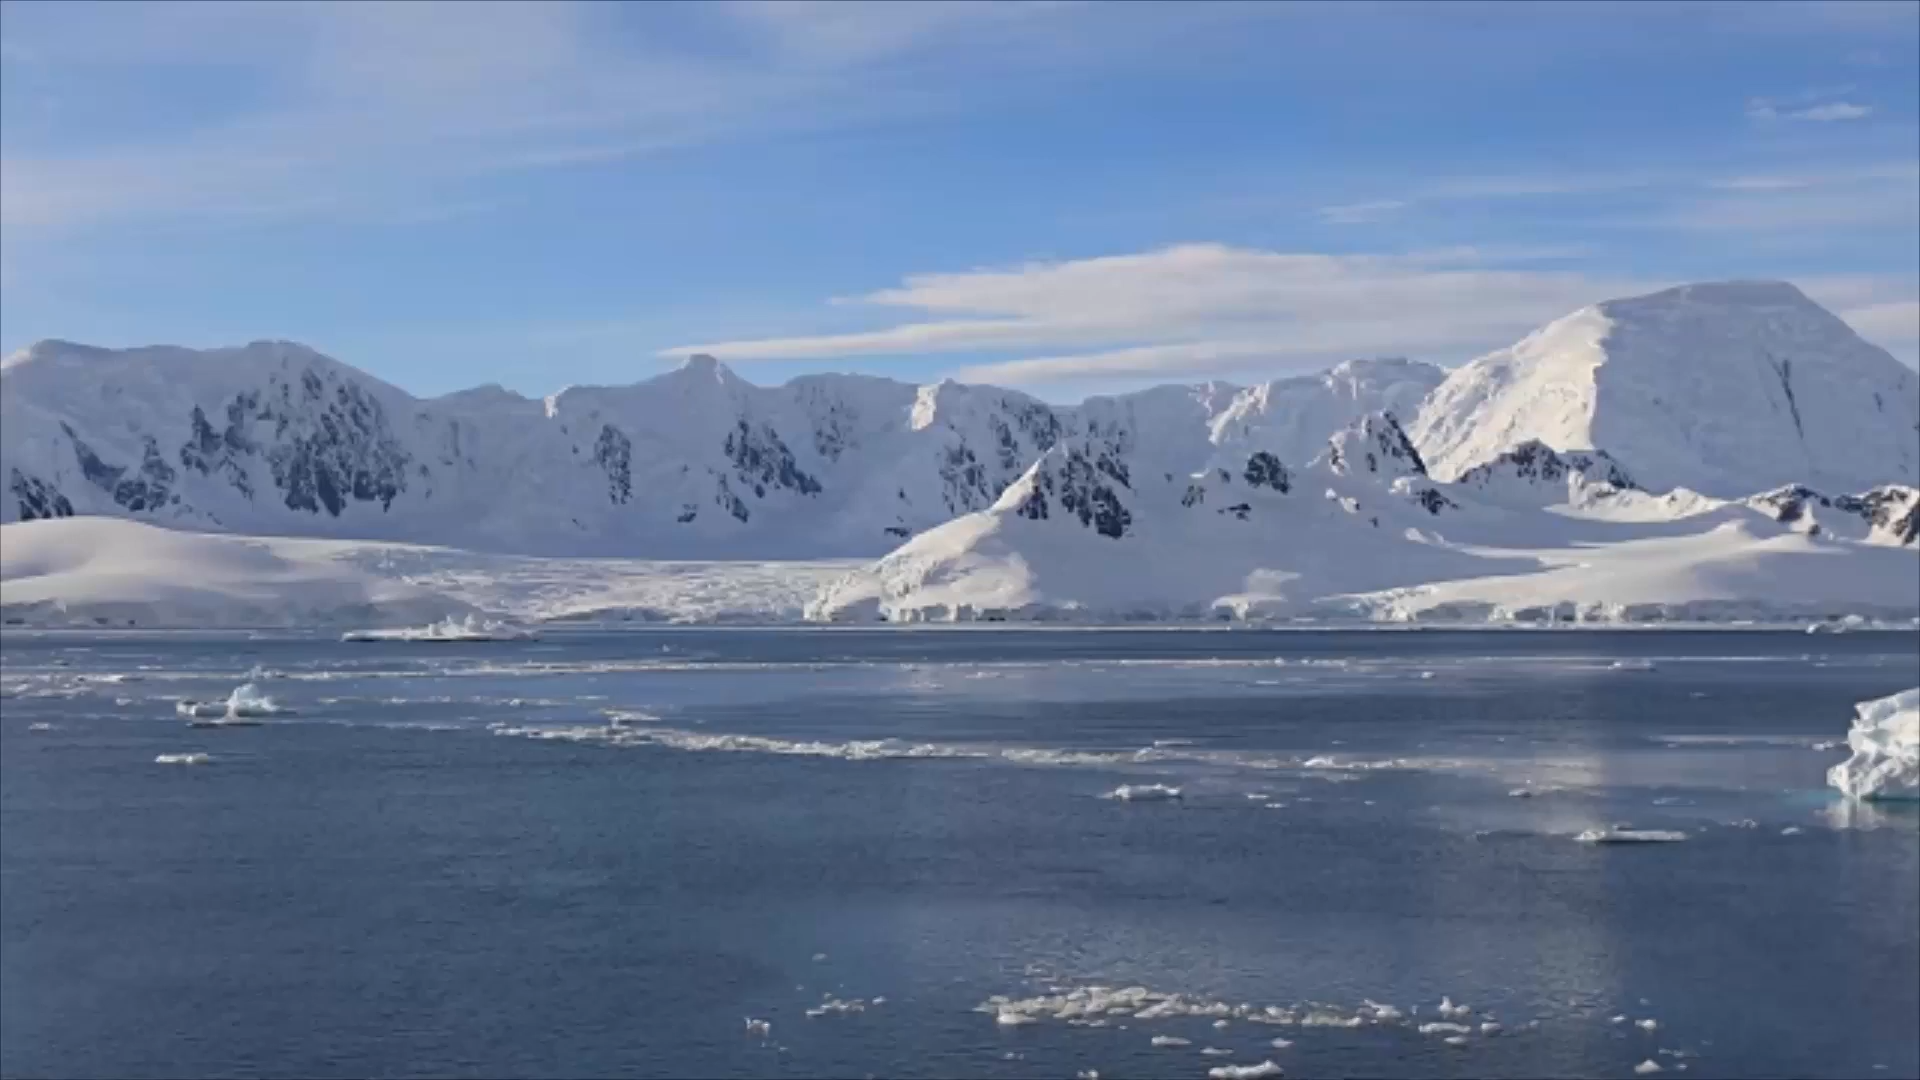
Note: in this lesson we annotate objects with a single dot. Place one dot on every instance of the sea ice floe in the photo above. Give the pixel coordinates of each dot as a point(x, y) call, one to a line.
point(1215, 1051)
point(833, 1006)
point(1169, 1040)
point(1885, 741)
point(1143, 793)
point(1646, 1068)
point(1449, 1009)
point(1455, 1040)
point(1243, 1072)
point(1281, 1044)
point(1443, 1027)
point(1630, 836)
point(1649, 1024)
point(40, 726)
point(183, 759)
point(1381, 1014)
point(759, 1027)
point(1490, 1027)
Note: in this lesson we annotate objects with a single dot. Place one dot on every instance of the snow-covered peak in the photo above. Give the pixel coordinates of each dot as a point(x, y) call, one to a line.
point(1721, 387)
point(1373, 446)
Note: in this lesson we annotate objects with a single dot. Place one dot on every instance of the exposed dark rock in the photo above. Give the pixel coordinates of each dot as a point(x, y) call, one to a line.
point(37, 499)
point(614, 452)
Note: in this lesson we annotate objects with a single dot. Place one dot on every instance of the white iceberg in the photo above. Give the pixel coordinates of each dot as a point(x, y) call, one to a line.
point(449, 629)
point(182, 759)
point(1143, 793)
point(1885, 741)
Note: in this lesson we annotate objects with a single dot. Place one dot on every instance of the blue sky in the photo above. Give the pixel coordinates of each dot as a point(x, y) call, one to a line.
point(1070, 197)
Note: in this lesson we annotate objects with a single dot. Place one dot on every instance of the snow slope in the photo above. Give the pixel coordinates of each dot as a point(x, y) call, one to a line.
point(275, 439)
point(107, 571)
point(1362, 532)
point(1724, 388)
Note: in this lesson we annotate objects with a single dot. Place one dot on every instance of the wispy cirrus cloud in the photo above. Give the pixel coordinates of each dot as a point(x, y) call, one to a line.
point(1819, 105)
point(1191, 308)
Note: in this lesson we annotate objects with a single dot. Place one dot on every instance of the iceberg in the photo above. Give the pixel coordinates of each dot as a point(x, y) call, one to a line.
point(1885, 741)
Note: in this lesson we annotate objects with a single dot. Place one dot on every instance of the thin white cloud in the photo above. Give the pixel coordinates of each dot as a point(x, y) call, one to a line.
point(1361, 213)
point(1835, 111)
point(1820, 105)
point(376, 102)
point(1200, 308)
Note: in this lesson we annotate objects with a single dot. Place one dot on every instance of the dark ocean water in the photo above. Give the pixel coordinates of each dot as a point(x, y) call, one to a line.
point(598, 854)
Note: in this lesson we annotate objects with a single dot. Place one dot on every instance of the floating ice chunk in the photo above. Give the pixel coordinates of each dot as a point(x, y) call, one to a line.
point(245, 703)
point(1455, 1040)
point(40, 726)
point(1143, 793)
point(835, 1006)
point(1319, 1018)
point(1885, 741)
point(819, 956)
point(1443, 1027)
point(759, 1027)
point(1013, 1019)
point(448, 629)
point(1281, 1044)
point(1631, 665)
point(1382, 1014)
point(1647, 1068)
point(1448, 1008)
point(1649, 1024)
point(1214, 1051)
point(1630, 836)
point(1087, 1074)
point(1621, 1019)
point(1791, 830)
point(1243, 1072)
point(183, 759)
point(1169, 1040)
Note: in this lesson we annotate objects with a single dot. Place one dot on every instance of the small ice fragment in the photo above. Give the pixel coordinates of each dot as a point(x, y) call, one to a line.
point(1631, 665)
point(1520, 793)
point(182, 759)
point(1621, 1019)
point(878, 1000)
point(1281, 1044)
point(1791, 830)
point(1448, 1008)
point(1646, 1068)
point(759, 1027)
point(1444, 1027)
point(1630, 836)
point(1087, 1074)
point(1243, 1072)
point(1426, 674)
point(1455, 1040)
point(819, 956)
point(1214, 1051)
point(1169, 1040)
point(1381, 1013)
point(41, 726)
point(1490, 1028)
point(1219, 1023)
point(1012, 1019)
point(1143, 793)
point(1649, 1024)
point(1258, 795)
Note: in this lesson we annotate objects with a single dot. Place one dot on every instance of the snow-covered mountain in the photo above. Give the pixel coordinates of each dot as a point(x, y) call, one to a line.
point(1724, 388)
point(274, 438)
point(1363, 531)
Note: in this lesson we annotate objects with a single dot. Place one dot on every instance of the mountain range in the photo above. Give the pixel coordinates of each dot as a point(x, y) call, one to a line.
point(1724, 390)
